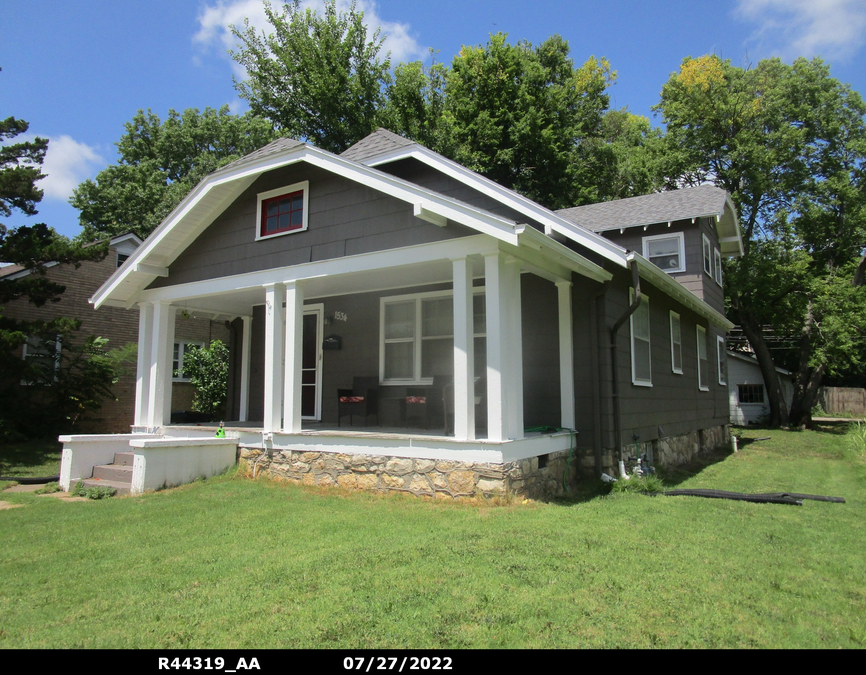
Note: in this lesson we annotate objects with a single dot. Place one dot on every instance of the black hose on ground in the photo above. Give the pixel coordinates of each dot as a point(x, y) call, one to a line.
point(32, 480)
point(792, 498)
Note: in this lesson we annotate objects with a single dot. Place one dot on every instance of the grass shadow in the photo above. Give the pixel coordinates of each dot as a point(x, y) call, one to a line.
point(30, 458)
point(674, 475)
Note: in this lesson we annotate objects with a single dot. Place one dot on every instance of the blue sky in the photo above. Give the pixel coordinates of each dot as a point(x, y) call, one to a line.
point(78, 70)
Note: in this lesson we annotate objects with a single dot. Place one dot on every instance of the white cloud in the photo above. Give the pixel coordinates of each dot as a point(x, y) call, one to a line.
point(67, 163)
point(832, 29)
point(215, 21)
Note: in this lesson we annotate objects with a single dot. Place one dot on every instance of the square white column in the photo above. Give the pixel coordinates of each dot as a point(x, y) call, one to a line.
point(566, 355)
point(513, 349)
point(246, 351)
point(161, 353)
point(274, 320)
point(142, 375)
point(293, 358)
point(464, 351)
point(496, 300)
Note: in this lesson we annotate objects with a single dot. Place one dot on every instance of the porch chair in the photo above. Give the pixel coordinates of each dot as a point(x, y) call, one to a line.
point(427, 402)
point(361, 399)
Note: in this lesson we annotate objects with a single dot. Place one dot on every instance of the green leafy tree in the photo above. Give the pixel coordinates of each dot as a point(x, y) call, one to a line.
point(317, 77)
point(31, 248)
point(788, 143)
point(521, 115)
point(415, 105)
point(208, 370)
point(160, 162)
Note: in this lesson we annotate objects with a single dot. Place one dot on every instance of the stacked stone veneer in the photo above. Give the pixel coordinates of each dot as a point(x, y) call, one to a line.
point(442, 479)
point(683, 449)
point(532, 478)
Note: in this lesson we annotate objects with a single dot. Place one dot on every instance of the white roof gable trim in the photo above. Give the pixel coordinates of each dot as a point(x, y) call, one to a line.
point(198, 210)
point(594, 242)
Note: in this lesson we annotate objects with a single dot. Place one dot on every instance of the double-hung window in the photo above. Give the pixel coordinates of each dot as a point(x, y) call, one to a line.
point(750, 393)
point(283, 211)
point(641, 368)
point(703, 363)
point(717, 266)
point(181, 349)
point(676, 344)
point(418, 337)
point(708, 255)
point(720, 356)
point(42, 355)
point(666, 251)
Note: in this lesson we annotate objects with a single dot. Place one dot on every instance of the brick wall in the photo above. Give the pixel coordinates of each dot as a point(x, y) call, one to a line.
point(120, 326)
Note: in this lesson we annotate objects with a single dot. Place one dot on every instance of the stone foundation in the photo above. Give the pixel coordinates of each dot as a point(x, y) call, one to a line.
point(533, 478)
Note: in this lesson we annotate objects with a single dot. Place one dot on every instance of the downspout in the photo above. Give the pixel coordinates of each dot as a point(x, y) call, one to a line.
point(596, 318)
point(617, 420)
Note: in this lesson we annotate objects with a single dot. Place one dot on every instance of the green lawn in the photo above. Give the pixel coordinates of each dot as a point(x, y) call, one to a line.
point(29, 458)
point(233, 563)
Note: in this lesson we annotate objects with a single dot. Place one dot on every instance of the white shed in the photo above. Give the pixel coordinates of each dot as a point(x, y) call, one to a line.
point(746, 390)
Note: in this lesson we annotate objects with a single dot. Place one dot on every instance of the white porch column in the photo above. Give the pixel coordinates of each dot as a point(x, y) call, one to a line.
point(246, 350)
point(161, 352)
point(496, 300)
point(566, 355)
point(464, 352)
point(142, 377)
point(274, 317)
point(514, 349)
point(293, 360)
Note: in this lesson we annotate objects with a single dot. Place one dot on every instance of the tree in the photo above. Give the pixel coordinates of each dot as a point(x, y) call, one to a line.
point(160, 162)
point(208, 370)
point(788, 143)
point(32, 248)
point(522, 116)
point(317, 77)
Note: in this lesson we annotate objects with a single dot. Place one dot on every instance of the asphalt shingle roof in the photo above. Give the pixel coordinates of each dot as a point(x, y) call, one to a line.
point(660, 207)
point(376, 143)
point(270, 149)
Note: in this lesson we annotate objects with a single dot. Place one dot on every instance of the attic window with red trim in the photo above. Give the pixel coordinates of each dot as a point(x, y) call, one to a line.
point(282, 211)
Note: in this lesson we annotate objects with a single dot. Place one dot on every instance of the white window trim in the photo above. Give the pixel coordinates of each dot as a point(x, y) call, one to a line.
point(416, 380)
point(57, 349)
point(262, 196)
point(184, 344)
point(679, 341)
point(717, 266)
point(720, 354)
point(634, 379)
point(707, 256)
point(682, 249)
point(701, 334)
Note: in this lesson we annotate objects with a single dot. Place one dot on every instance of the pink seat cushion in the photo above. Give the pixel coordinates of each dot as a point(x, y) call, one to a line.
point(416, 399)
point(351, 399)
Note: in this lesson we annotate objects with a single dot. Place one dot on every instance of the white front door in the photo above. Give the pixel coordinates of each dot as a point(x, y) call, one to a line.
point(311, 363)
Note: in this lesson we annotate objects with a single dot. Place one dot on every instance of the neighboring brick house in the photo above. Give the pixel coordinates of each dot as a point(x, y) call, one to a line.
point(118, 325)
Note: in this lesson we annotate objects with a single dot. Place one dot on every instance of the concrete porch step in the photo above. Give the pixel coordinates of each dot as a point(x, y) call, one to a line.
point(113, 472)
point(122, 487)
point(124, 458)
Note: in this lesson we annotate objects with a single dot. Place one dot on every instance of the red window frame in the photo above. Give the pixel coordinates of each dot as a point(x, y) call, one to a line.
point(294, 206)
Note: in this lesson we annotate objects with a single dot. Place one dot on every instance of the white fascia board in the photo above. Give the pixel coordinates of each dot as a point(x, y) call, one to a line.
point(364, 262)
point(129, 236)
point(451, 209)
point(561, 254)
point(594, 242)
point(676, 290)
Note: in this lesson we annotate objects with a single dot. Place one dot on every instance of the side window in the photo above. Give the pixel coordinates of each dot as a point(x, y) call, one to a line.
point(676, 344)
point(720, 356)
point(717, 266)
point(42, 354)
point(708, 255)
point(703, 363)
point(641, 367)
point(181, 348)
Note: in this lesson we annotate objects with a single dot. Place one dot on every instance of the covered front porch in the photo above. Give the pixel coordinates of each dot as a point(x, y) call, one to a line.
point(408, 318)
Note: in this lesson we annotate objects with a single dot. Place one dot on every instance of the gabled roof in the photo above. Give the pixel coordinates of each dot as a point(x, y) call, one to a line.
point(11, 271)
point(378, 142)
point(272, 148)
point(663, 207)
